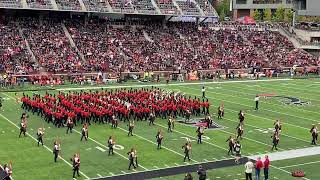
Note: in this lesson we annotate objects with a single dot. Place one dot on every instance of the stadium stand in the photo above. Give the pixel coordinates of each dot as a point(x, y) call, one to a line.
point(144, 6)
point(188, 7)
point(50, 45)
point(10, 3)
point(96, 5)
point(107, 47)
point(167, 7)
point(206, 7)
point(41, 4)
point(68, 4)
point(14, 55)
point(122, 6)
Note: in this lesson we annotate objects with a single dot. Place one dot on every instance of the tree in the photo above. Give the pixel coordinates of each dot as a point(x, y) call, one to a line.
point(279, 14)
point(223, 8)
point(222, 15)
point(288, 15)
point(267, 15)
point(257, 15)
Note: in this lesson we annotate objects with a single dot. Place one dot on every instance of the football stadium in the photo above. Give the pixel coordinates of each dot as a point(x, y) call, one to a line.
point(159, 89)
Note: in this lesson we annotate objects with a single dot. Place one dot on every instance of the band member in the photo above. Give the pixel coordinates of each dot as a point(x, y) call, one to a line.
point(152, 117)
point(40, 135)
point(256, 100)
point(200, 132)
point(84, 132)
point(220, 111)
point(23, 127)
point(187, 115)
point(241, 116)
point(208, 121)
point(203, 90)
point(231, 143)
point(240, 130)
point(69, 125)
point(114, 122)
point(76, 165)
point(8, 170)
point(56, 150)
point(237, 150)
point(159, 137)
point(131, 126)
point(131, 159)
point(1, 104)
point(187, 148)
point(314, 133)
point(111, 143)
point(170, 124)
point(135, 156)
point(277, 126)
point(275, 140)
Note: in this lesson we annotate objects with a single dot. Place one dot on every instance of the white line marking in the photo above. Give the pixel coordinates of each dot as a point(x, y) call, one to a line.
point(134, 170)
point(177, 164)
point(193, 137)
point(156, 144)
point(111, 173)
point(156, 167)
point(314, 162)
point(206, 160)
point(286, 171)
point(123, 172)
point(99, 175)
point(175, 84)
point(166, 165)
point(99, 148)
point(44, 145)
point(88, 149)
point(3, 131)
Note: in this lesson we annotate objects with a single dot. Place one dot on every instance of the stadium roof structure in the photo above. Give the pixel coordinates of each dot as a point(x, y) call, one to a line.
point(171, 8)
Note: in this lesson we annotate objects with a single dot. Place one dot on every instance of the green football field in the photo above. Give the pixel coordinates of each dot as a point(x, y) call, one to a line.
point(295, 102)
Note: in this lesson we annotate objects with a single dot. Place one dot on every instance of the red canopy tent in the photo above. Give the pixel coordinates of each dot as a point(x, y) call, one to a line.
point(246, 20)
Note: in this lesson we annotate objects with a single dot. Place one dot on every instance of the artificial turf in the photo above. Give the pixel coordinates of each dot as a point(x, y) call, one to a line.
point(32, 162)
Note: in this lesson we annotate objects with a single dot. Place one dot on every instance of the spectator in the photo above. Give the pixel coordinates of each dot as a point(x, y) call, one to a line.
point(249, 168)
point(202, 173)
point(266, 165)
point(188, 176)
point(258, 167)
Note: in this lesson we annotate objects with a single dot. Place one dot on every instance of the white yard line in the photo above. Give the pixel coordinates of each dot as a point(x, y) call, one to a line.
point(193, 137)
point(211, 97)
point(43, 145)
point(286, 171)
point(302, 164)
point(91, 140)
point(173, 84)
point(156, 144)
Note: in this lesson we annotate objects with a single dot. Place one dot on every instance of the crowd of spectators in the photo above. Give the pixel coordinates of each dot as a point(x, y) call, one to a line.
point(14, 56)
point(68, 4)
point(50, 45)
point(10, 3)
point(177, 46)
point(41, 4)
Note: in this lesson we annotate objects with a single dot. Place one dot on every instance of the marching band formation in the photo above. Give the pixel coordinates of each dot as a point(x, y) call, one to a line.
point(69, 109)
